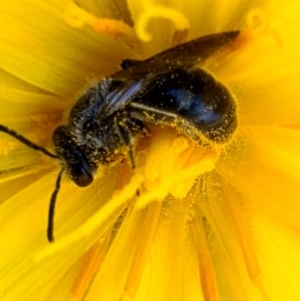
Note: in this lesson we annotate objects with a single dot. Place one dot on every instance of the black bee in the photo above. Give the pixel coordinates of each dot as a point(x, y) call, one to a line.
point(166, 89)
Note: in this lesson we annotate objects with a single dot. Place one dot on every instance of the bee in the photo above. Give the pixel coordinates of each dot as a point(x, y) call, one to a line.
point(167, 89)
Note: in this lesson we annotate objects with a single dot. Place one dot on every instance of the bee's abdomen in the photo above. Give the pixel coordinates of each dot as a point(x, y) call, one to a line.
point(193, 99)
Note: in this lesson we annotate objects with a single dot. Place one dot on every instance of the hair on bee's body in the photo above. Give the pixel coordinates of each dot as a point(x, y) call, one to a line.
point(166, 89)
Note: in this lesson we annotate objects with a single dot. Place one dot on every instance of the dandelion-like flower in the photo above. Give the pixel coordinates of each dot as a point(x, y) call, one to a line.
point(208, 224)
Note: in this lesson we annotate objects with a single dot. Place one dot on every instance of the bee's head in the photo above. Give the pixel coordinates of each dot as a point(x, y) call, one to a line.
point(74, 160)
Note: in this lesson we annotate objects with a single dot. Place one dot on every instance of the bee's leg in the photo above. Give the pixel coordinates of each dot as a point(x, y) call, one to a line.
point(137, 127)
point(125, 64)
point(130, 149)
point(125, 136)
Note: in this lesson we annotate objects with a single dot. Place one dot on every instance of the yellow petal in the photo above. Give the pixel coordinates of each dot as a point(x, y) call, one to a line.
point(27, 224)
point(264, 166)
point(267, 89)
point(278, 247)
point(230, 235)
point(36, 35)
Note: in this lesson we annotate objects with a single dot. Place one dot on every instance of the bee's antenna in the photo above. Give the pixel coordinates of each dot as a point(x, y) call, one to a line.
point(51, 212)
point(26, 141)
point(58, 180)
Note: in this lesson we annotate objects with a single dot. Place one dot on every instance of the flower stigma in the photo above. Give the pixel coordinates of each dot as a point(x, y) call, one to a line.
point(151, 11)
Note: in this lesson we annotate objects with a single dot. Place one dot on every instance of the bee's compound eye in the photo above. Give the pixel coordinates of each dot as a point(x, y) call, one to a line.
point(81, 177)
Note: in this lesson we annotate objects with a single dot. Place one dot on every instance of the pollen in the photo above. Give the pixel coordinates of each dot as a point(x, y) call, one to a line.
point(173, 164)
point(181, 23)
point(78, 17)
point(112, 28)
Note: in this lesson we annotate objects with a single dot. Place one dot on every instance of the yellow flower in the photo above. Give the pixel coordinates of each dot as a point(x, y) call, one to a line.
point(217, 225)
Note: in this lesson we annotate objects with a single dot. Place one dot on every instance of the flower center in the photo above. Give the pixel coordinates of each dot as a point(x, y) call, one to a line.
point(172, 163)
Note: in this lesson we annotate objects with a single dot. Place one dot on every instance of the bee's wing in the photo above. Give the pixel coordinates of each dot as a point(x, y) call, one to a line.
point(124, 93)
point(141, 75)
point(182, 56)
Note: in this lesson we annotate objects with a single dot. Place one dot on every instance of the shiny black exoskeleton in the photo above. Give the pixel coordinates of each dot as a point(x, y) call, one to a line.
point(167, 89)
